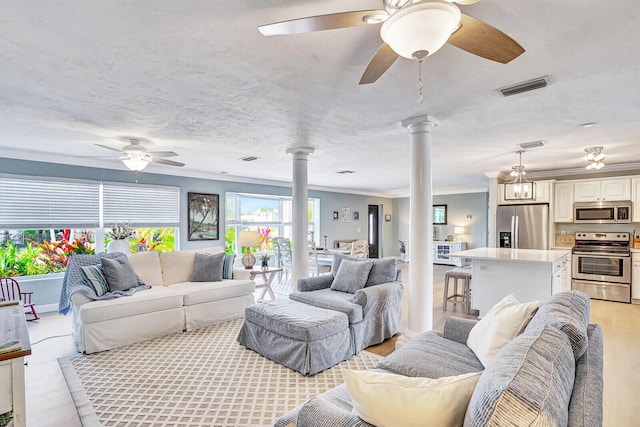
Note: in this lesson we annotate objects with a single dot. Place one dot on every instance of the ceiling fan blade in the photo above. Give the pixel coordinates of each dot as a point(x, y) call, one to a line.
point(109, 148)
point(482, 39)
point(381, 61)
point(164, 162)
point(323, 22)
point(162, 153)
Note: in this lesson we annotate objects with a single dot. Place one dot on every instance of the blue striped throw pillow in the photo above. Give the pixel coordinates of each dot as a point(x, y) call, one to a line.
point(227, 266)
point(96, 279)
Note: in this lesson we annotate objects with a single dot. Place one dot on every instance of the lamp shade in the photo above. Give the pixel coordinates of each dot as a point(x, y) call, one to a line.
point(420, 27)
point(249, 239)
point(458, 230)
point(135, 164)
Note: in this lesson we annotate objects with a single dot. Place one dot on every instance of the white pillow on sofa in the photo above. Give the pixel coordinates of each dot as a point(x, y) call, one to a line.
point(385, 399)
point(499, 326)
point(147, 267)
point(177, 267)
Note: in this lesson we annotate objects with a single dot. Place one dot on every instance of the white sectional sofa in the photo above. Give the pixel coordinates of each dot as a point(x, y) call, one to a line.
point(173, 304)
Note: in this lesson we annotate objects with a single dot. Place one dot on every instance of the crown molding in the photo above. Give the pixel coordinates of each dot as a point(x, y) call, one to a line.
point(609, 169)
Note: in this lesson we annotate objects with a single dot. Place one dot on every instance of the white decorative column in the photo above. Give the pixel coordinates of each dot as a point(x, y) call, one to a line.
point(300, 190)
point(420, 316)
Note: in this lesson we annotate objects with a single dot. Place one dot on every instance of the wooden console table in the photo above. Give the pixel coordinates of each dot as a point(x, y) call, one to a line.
point(13, 329)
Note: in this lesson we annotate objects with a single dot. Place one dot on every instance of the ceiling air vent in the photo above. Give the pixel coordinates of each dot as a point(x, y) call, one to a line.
point(533, 84)
point(532, 144)
point(249, 158)
point(345, 172)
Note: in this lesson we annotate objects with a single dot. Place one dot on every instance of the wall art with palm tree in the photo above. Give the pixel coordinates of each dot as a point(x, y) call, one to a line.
point(204, 215)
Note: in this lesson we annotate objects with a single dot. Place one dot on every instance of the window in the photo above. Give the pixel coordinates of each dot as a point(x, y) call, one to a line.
point(271, 216)
point(45, 220)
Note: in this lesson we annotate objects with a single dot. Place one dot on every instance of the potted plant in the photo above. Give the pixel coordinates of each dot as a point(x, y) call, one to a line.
point(119, 235)
point(265, 261)
point(402, 250)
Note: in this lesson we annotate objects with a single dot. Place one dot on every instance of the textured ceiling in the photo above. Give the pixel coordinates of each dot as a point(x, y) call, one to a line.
point(198, 78)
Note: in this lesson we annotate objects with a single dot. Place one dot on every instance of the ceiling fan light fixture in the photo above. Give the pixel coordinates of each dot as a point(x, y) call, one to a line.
point(135, 164)
point(424, 26)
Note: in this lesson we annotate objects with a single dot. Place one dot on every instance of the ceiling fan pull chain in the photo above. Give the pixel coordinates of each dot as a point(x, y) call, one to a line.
point(419, 55)
point(420, 84)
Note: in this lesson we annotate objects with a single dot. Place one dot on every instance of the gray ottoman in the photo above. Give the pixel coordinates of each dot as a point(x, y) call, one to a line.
point(304, 338)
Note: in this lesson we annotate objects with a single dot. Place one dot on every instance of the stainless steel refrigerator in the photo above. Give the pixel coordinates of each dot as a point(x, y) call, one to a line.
point(523, 226)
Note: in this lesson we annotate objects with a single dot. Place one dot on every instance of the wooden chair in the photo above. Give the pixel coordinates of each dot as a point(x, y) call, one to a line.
point(317, 268)
point(10, 291)
point(360, 249)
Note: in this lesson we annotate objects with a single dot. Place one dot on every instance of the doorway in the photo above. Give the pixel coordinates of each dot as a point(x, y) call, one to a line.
point(373, 231)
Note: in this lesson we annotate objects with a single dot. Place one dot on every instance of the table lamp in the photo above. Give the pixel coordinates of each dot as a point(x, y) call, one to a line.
point(458, 231)
point(249, 239)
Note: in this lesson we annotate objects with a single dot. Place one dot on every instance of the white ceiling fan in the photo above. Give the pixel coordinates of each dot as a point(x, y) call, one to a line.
point(136, 157)
point(413, 29)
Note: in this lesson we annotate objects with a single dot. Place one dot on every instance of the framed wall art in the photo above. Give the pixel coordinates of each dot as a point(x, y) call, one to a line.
point(356, 216)
point(204, 215)
point(345, 215)
point(440, 214)
point(336, 215)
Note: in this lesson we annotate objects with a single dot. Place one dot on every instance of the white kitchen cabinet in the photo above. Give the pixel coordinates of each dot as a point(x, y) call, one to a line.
point(563, 202)
point(441, 250)
point(635, 198)
point(602, 190)
point(542, 194)
point(561, 275)
point(635, 278)
point(566, 273)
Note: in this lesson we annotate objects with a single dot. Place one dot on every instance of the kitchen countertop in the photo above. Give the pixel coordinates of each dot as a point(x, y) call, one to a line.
point(512, 255)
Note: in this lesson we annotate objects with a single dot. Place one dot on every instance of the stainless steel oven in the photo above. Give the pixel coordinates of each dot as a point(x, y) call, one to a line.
point(601, 266)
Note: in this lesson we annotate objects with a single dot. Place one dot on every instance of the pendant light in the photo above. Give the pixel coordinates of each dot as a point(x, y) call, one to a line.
point(520, 188)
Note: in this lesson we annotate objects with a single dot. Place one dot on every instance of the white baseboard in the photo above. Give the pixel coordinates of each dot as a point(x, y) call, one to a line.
point(47, 308)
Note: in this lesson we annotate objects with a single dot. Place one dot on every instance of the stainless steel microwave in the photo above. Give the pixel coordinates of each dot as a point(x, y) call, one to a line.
point(618, 212)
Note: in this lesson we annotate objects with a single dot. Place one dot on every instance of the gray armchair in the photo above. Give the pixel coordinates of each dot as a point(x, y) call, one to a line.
point(374, 311)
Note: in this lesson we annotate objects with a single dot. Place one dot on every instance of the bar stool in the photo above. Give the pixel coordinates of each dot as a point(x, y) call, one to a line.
point(463, 298)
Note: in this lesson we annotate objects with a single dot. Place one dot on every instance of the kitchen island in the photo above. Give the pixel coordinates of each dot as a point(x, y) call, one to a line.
point(530, 274)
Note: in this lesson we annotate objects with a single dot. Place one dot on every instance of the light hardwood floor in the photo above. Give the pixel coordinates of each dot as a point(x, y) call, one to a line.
point(49, 402)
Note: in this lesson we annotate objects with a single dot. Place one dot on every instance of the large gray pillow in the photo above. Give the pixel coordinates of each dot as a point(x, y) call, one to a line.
point(528, 383)
point(337, 260)
point(382, 271)
point(352, 276)
point(208, 267)
point(119, 274)
point(569, 312)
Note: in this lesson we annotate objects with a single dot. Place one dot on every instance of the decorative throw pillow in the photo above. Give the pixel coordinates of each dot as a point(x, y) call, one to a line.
point(529, 383)
point(337, 260)
point(500, 325)
point(382, 271)
point(119, 273)
point(208, 267)
point(386, 400)
point(227, 266)
point(95, 277)
point(352, 275)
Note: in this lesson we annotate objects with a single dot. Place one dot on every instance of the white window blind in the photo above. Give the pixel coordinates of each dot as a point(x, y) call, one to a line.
point(141, 205)
point(44, 203)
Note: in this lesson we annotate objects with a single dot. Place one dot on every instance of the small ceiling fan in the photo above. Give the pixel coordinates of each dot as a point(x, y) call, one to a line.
point(413, 29)
point(136, 157)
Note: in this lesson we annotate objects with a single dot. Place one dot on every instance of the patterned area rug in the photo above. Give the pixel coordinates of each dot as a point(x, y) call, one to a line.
point(199, 378)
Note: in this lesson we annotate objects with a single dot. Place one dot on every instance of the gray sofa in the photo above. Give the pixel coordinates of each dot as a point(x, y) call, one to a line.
point(550, 374)
point(374, 312)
